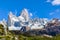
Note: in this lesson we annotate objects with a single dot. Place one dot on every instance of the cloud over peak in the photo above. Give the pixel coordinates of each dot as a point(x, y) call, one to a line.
point(55, 12)
point(54, 2)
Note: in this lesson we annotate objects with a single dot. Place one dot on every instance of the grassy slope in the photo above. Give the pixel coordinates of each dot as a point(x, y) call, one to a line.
point(11, 36)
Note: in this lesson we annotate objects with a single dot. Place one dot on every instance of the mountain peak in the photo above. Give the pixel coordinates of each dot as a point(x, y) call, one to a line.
point(25, 14)
point(10, 14)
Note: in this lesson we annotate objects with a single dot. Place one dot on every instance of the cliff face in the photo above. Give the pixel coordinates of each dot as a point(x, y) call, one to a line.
point(25, 14)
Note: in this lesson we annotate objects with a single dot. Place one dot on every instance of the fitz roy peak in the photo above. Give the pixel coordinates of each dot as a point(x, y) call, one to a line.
point(24, 23)
point(16, 23)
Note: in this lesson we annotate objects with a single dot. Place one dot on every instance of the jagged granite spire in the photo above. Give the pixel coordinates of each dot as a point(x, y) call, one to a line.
point(25, 14)
point(9, 18)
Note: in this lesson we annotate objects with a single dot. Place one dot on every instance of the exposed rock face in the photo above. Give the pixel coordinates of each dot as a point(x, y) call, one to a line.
point(9, 19)
point(16, 23)
point(25, 14)
point(51, 29)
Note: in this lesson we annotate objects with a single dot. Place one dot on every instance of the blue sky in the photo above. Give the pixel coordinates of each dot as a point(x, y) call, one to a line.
point(39, 8)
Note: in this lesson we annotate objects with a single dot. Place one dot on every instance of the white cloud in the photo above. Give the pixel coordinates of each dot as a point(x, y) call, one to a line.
point(54, 2)
point(57, 10)
point(48, 1)
point(31, 14)
point(54, 12)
